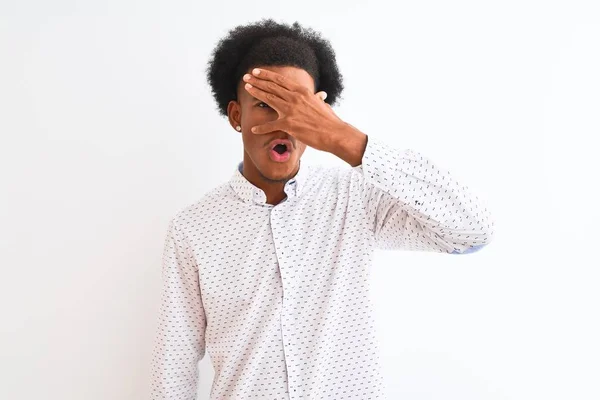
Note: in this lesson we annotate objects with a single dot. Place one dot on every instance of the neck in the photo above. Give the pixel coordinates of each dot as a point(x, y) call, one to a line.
point(270, 185)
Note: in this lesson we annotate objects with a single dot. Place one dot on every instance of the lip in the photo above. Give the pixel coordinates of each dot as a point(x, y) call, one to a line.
point(280, 158)
point(287, 143)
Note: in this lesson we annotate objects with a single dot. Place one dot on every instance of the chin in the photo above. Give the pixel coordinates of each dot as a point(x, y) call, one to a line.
point(279, 170)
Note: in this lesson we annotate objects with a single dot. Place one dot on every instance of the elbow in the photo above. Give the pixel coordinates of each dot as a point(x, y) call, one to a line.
point(469, 250)
point(475, 247)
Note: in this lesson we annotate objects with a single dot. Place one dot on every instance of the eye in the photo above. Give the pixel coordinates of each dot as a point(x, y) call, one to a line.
point(264, 104)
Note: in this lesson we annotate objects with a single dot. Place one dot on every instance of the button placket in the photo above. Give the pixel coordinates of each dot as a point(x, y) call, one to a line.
point(287, 279)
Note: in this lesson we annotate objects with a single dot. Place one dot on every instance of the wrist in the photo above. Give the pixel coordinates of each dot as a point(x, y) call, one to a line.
point(350, 144)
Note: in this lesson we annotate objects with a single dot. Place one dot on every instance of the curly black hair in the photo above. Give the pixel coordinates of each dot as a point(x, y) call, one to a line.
point(268, 43)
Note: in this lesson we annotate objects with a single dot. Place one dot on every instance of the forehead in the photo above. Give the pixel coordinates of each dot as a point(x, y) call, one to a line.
point(298, 75)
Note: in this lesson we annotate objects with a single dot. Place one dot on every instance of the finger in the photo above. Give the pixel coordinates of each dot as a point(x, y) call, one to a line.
point(268, 86)
point(267, 127)
point(322, 95)
point(272, 100)
point(279, 79)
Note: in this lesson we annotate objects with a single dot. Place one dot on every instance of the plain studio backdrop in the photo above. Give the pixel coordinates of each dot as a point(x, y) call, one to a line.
point(109, 128)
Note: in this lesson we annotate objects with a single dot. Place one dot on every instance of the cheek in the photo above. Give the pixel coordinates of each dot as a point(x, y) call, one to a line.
point(252, 141)
point(255, 117)
point(301, 148)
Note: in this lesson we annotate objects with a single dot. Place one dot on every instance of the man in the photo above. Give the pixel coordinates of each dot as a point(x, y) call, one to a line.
point(269, 271)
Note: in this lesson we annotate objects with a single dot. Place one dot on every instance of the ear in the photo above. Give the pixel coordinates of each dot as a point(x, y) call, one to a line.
point(233, 112)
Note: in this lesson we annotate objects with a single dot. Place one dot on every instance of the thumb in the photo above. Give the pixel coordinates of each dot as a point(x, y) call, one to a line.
point(322, 95)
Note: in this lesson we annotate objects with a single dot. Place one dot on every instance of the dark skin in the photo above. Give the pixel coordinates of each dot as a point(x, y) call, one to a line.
point(280, 102)
point(258, 168)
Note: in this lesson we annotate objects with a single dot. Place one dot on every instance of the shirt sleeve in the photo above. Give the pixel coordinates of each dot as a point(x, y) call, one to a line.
point(179, 342)
point(410, 203)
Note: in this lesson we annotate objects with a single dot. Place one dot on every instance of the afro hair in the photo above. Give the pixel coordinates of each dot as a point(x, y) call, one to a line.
point(268, 43)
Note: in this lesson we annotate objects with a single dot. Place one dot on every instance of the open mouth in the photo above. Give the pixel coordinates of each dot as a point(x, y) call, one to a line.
point(280, 148)
point(280, 152)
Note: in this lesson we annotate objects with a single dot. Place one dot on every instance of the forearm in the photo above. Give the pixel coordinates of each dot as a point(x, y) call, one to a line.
point(349, 145)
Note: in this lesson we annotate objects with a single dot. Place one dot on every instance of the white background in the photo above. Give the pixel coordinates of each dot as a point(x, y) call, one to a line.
point(108, 128)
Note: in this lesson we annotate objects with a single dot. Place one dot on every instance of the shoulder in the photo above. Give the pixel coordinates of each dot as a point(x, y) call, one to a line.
point(191, 215)
point(334, 177)
point(339, 172)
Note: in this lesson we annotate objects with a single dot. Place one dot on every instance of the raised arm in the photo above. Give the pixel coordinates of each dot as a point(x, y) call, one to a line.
point(411, 203)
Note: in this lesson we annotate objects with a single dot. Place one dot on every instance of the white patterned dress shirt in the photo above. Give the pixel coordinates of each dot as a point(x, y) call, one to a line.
point(279, 294)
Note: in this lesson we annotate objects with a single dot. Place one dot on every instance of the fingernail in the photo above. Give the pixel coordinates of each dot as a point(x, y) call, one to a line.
point(256, 71)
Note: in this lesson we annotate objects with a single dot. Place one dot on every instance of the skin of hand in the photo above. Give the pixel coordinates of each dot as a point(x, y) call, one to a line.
point(301, 113)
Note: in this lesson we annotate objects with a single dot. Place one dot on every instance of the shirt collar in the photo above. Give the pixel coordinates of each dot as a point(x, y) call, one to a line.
point(248, 192)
